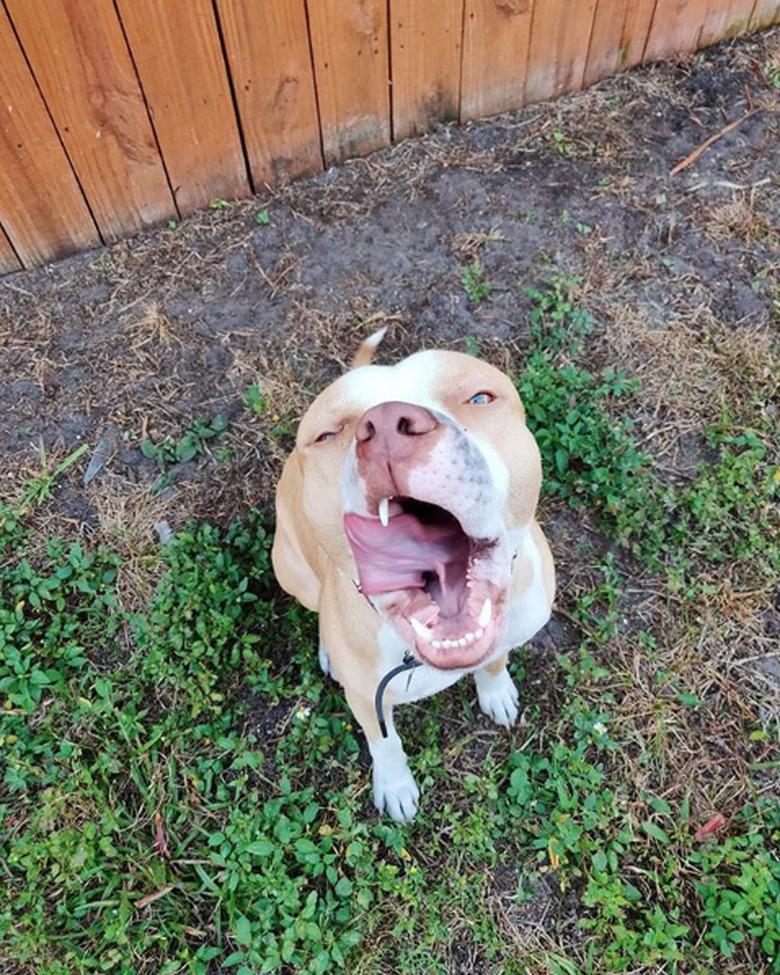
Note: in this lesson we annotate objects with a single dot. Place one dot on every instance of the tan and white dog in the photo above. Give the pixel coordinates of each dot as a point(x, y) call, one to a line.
point(405, 518)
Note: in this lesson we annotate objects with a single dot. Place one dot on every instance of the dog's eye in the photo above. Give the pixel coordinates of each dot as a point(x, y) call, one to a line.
point(325, 436)
point(479, 399)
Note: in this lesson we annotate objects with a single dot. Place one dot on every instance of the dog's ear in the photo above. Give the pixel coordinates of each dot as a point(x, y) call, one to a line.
point(294, 572)
point(366, 350)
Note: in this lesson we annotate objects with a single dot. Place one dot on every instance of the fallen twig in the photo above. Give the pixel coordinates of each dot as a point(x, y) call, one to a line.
point(692, 157)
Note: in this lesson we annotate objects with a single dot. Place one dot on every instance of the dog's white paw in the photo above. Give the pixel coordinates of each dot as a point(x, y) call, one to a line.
point(399, 797)
point(395, 791)
point(498, 697)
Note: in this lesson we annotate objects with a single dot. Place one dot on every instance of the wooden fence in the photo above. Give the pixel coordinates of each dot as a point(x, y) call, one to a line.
point(116, 115)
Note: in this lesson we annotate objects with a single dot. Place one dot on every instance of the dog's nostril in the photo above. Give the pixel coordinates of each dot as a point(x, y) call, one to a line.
point(366, 431)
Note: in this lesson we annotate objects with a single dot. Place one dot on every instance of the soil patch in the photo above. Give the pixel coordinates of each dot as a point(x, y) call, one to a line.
point(143, 340)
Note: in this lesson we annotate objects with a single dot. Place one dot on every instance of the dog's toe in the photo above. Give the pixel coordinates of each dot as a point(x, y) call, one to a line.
point(398, 799)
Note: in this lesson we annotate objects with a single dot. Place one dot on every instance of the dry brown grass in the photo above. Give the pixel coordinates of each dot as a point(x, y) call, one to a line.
point(134, 521)
point(741, 218)
point(468, 245)
point(693, 373)
point(150, 330)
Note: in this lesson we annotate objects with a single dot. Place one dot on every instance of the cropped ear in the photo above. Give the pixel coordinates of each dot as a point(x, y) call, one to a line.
point(291, 567)
point(366, 350)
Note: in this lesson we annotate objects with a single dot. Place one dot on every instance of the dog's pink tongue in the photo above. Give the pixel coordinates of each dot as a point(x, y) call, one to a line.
point(398, 556)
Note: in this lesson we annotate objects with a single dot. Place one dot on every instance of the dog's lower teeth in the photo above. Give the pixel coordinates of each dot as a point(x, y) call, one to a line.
point(384, 512)
point(465, 641)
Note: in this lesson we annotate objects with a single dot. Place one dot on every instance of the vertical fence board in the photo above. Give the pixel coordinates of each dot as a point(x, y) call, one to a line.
point(676, 28)
point(636, 29)
point(80, 60)
point(41, 206)
point(765, 13)
point(349, 43)
point(606, 41)
point(495, 55)
point(178, 54)
point(725, 19)
point(108, 105)
point(560, 37)
point(425, 46)
point(8, 259)
point(267, 45)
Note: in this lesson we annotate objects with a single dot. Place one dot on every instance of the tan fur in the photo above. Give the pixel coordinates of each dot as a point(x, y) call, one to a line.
point(313, 560)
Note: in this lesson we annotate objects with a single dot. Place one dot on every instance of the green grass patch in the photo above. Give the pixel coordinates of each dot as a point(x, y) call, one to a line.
point(729, 512)
point(182, 791)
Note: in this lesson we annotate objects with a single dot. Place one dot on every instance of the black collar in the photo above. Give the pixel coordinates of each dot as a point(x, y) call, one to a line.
point(409, 664)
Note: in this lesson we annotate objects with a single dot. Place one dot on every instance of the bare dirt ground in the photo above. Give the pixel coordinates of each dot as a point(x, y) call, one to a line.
point(152, 334)
point(237, 316)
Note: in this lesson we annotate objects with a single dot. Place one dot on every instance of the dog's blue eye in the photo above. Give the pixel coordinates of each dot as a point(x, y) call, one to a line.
point(325, 436)
point(478, 399)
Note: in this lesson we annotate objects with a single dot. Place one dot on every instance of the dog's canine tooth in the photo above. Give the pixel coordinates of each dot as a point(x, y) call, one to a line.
point(485, 614)
point(384, 512)
point(422, 631)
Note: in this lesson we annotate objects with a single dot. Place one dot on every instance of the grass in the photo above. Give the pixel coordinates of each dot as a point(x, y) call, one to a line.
point(184, 793)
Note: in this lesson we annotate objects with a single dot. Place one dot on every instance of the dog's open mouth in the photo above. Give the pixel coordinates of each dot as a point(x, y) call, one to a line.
point(440, 587)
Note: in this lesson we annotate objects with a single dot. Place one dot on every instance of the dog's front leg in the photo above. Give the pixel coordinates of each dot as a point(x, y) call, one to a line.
point(497, 694)
point(394, 789)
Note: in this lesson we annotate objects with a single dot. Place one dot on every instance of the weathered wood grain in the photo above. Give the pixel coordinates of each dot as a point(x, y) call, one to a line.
point(81, 63)
point(352, 71)
point(425, 54)
point(178, 55)
point(267, 46)
point(495, 55)
point(42, 209)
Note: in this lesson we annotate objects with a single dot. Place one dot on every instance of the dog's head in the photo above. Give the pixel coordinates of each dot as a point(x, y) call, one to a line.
point(420, 480)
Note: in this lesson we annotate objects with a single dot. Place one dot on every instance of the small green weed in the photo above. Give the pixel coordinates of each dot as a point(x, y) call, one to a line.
point(260, 402)
point(474, 282)
point(740, 886)
point(40, 487)
point(560, 142)
point(557, 322)
point(189, 446)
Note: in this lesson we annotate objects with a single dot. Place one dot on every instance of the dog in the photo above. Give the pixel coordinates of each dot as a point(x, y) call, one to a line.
point(406, 520)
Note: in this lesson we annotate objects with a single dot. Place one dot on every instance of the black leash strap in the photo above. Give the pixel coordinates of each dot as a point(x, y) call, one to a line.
point(409, 664)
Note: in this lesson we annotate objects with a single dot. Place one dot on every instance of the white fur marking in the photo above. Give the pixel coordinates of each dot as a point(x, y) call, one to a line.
point(498, 697)
point(395, 791)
